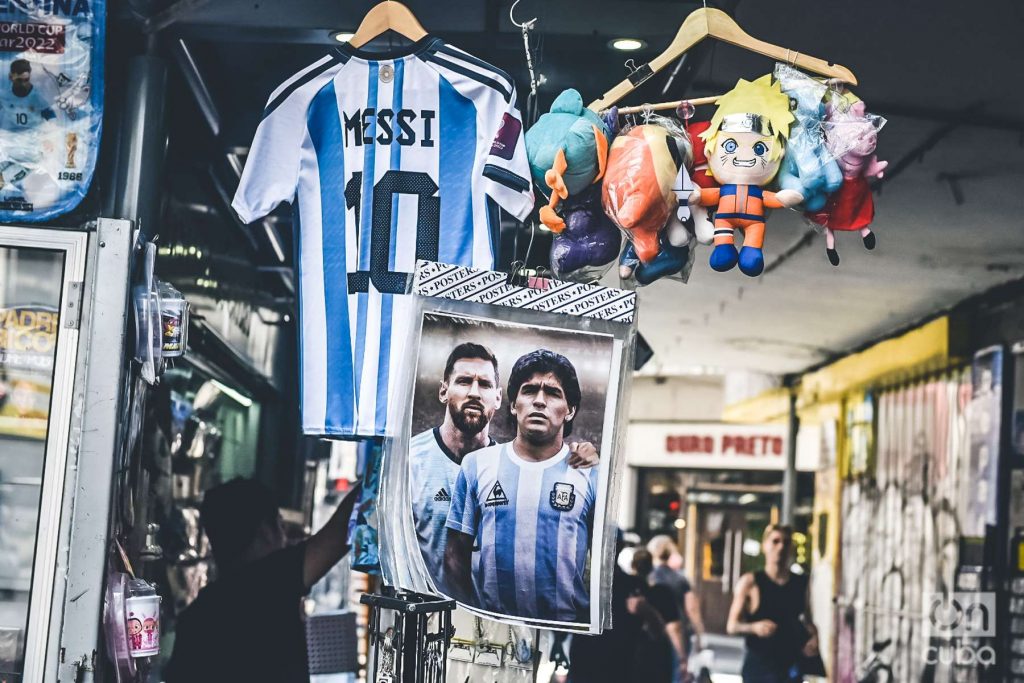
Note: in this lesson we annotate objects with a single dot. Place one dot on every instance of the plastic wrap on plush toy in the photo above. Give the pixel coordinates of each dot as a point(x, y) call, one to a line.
point(849, 128)
point(809, 166)
point(671, 262)
point(644, 182)
point(567, 149)
point(587, 248)
point(703, 224)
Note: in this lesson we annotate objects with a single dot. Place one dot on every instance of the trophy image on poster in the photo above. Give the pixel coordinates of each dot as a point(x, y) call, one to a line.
point(70, 147)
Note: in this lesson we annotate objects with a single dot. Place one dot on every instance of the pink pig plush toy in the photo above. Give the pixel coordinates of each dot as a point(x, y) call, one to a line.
point(852, 207)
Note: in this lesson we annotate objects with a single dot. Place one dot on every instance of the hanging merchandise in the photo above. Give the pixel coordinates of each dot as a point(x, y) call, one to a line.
point(173, 320)
point(492, 652)
point(703, 222)
point(499, 480)
point(51, 107)
point(809, 167)
point(567, 149)
point(745, 144)
point(851, 135)
point(345, 140)
point(131, 622)
point(587, 247)
point(641, 193)
point(149, 339)
point(363, 523)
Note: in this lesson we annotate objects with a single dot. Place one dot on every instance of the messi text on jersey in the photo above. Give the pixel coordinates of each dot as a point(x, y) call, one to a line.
point(392, 127)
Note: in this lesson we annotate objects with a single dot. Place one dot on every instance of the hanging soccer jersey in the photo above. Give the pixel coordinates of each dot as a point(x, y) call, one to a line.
point(387, 158)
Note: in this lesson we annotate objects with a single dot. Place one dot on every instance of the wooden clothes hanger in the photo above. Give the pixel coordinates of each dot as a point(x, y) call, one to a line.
point(387, 16)
point(714, 23)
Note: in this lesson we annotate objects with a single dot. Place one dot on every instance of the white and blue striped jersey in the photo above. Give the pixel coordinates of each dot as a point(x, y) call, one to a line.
point(433, 471)
point(531, 523)
point(377, 153)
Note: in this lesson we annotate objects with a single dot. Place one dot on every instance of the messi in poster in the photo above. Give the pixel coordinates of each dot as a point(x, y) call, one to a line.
point(51, 104)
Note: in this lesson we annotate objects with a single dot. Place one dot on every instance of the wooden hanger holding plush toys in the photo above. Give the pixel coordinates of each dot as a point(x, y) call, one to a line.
point(707, 22)
point(645, 186)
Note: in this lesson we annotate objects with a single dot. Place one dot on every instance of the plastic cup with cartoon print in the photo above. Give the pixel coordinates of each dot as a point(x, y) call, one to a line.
point(142, 619)
point(173, 320)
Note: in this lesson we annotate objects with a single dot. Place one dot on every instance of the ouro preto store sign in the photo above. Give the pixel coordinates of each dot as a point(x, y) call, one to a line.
point(707, 446)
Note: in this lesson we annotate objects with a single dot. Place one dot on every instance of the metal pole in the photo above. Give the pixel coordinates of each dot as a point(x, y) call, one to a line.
point(789, 474)
point(141, 155)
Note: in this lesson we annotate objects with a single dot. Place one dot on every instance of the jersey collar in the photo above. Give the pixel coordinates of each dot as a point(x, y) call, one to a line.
point(422, 45)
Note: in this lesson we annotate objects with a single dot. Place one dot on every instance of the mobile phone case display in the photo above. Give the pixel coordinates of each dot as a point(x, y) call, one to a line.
point(51, 105)
point(508, 442)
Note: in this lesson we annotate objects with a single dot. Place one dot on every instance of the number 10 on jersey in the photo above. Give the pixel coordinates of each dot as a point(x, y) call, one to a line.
point(428, 227)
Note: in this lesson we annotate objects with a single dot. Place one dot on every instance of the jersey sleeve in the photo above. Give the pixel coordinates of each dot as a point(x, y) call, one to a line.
point(271, 170)
point(506, 169)
point(464, 514)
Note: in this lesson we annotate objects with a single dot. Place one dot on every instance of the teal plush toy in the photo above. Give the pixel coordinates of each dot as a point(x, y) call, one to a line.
point(567, 149)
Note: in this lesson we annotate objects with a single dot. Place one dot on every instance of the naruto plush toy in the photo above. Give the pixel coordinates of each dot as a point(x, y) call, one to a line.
point(567, 149)
point(745, 144)
point(645, 177)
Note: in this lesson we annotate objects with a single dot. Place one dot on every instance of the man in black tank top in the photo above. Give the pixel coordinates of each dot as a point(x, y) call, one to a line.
point(771, 610)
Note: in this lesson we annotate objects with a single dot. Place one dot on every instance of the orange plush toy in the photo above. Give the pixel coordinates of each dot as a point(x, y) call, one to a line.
point(639, 192)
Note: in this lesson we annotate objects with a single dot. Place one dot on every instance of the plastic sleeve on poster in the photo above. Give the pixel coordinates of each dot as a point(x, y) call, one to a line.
point(419, 468)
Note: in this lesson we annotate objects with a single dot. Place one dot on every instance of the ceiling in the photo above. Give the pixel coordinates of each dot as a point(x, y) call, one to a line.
point(947, 78)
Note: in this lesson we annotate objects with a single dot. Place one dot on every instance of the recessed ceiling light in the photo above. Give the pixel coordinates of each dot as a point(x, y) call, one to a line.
point(342, 36)
point(627, 44)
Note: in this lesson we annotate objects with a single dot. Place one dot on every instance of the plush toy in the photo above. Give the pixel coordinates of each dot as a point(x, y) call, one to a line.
point(646, 169)
point(703, 227)
point(567, 149)
point(745, 145)
point(671, 260)
point(808, 167)
point(590, 239)
point(852, 207)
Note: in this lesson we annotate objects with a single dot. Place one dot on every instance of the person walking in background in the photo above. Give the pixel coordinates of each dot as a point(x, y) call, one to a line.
point(667, 572)
point(770, 608)
point(667, 658)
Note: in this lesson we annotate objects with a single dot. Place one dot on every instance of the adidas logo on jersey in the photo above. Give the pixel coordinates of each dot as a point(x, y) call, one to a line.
point(442, 496)
point(496, 497)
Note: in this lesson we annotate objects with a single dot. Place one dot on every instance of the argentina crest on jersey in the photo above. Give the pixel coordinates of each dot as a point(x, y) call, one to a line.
point(562, 497)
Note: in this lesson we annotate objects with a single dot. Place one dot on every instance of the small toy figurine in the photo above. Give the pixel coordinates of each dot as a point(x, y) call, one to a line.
point(809, 166)
point(745, 145)
point(646, 171)
point(852, 207)
point(567, 149)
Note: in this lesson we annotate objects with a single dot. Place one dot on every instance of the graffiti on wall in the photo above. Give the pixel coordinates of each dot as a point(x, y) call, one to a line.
point(901, 526)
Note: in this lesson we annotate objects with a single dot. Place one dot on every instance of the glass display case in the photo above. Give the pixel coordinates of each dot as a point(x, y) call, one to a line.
point(41, 275)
